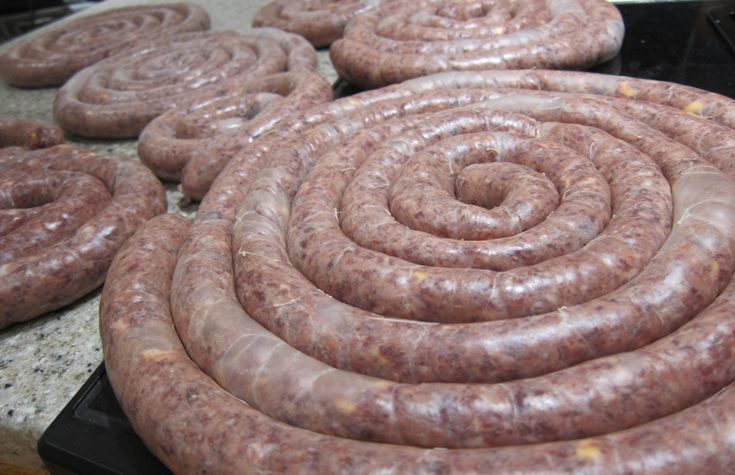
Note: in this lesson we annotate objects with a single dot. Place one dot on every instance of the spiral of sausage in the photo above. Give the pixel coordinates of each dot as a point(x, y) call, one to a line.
point(118, 96)
point(64, 213)
point(193, 144)
point(319, 21)
point(54, 56)
point(401, 39)
point(496, 272)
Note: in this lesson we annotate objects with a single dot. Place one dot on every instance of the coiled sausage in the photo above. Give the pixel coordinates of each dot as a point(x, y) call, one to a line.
point(54, 56)
point(319, 21)
point(532, 362)
point(64, 213)
point(117, 97)
point(401, 39)
point(193, 144)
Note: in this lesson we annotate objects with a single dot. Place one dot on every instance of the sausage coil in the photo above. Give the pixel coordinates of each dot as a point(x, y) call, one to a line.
point(64, 213)
point(318, 316)
point(53, 57)
point(402, 39)
point(117, 97)
point(319, 21)
point(193, 144)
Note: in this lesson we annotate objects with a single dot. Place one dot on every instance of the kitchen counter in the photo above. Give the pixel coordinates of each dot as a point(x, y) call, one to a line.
point(44, 362)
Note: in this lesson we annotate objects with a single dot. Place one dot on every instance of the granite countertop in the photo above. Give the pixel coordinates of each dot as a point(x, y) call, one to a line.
point(45, 361)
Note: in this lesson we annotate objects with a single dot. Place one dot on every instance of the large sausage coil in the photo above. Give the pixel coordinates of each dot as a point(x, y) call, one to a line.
point(403, 39)
point(193, 144)
point(117, 97)
point(64, 213)
point(497, 272)
point(319, 21)
point(53, 57)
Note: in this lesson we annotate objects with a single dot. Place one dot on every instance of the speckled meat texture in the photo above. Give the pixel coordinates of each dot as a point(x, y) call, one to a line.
point(64, 213)
point(359, 294)
point(32, 134)
point(118, 96)
point(319, 21)
point(193, 144)
point(403, 39)
point(53, 57)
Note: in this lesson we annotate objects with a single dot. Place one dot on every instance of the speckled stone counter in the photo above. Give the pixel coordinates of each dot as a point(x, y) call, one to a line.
point(44, 362)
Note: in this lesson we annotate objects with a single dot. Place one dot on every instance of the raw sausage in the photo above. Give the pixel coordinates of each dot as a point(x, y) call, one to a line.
point(193, 144)
point(64, 212)
point(319, 21)
point(402, 39)
point(608, 354)
point(205, 429)
point(53, 57)
point(28, 133)
point(117, 97)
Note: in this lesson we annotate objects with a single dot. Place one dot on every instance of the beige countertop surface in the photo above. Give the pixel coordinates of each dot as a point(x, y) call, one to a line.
point(45, 361)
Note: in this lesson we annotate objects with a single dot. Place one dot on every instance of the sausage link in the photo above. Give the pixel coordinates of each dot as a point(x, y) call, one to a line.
point(207, 430)
point(319, 21)
point(81, 208)
point(46, 208)
point(51, 58)
point(400, 40)
point(515, 197)
point(28, 133)
point(325, 331)
point(354, 406)
point(193, 144)
point(117, 97)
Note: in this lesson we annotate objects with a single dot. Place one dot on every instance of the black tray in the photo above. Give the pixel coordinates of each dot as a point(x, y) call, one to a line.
point(91, 435)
